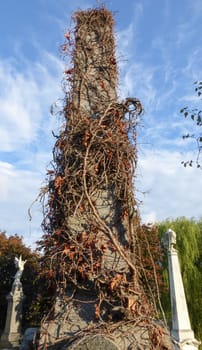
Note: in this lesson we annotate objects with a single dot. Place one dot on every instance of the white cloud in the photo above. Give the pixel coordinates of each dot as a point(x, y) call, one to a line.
point(26, 140)
point(185, 31)
point(192, 70)
point(24, 99)
point(18, 189)
point(6, 173)
point(137, 80)
point(171, 190)
point(17, 126)
point(125, 37)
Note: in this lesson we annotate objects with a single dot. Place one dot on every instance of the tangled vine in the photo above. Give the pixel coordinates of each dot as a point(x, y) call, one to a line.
point(92, 234)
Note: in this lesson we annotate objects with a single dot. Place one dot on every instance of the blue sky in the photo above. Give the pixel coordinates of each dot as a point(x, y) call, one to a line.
point(159, 51)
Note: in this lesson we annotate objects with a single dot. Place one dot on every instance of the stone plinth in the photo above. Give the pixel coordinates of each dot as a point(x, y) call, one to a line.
point(12, 333)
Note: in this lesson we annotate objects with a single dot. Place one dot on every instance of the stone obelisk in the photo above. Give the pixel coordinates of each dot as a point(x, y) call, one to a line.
point(181, 331)
point(92, 220)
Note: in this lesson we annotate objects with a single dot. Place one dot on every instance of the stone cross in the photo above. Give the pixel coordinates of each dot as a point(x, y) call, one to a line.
point(181, 331)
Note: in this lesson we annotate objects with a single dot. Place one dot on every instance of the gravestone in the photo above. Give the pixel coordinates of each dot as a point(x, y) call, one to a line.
point(97, 342)
point(12, 333)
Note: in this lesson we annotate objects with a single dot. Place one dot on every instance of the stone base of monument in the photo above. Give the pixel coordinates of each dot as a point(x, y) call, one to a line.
point(64, 334)
point(94, 342)
point(10, 340)
point(74, 327)
point(127, 338)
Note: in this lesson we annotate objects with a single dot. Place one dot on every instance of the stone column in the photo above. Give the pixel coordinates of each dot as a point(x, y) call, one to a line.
point(12, 332)
point(181, 331)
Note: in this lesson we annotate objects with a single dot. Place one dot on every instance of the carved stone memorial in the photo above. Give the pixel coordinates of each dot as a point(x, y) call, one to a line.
point(91, 222)
point(12, 332)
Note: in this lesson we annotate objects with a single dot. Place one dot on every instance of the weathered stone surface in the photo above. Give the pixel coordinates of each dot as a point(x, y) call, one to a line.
point(124, 336)
point(95, 76)
point(97, 342)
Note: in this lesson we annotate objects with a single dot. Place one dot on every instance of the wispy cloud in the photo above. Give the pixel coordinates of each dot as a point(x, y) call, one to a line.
point(125, 37)
point(137, 80)
point(19, 108)
point(18, 189)
point(26, 139)
point(24, 97)
point(185, 32)
point(192, 69)
point(169, 187)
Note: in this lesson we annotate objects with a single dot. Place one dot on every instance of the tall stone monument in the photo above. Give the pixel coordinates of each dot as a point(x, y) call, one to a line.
point(12, 332)
point(181, 331)
point(91, 222)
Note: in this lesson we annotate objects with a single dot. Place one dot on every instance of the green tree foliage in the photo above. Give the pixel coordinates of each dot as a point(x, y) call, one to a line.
point(189, 246)
point(195, 114)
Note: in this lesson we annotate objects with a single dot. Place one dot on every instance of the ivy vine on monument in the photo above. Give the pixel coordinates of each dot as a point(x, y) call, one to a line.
point(93, 240)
